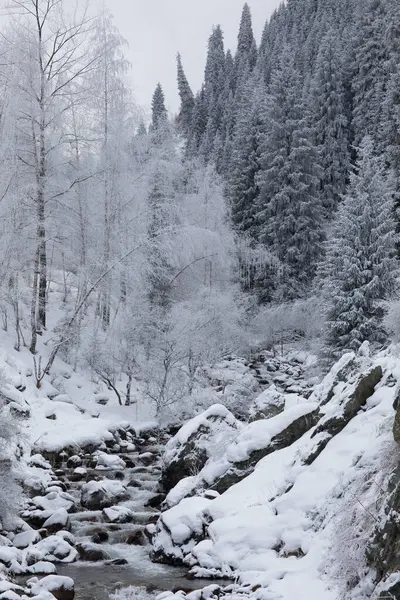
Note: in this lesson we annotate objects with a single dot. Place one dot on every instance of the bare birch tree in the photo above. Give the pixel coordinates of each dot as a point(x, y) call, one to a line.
point(49, 48)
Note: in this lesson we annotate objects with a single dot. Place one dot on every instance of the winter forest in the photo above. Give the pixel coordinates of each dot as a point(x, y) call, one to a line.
point(232, 268)
point(266, 206)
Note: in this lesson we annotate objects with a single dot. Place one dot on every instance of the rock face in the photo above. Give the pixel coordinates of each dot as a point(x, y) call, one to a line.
point(192, 526)
point(291, 432)
point(348, 406)
point(383, 551)
point(396, 424)
point(188, 451)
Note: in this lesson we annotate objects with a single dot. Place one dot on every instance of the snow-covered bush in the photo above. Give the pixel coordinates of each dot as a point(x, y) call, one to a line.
point(9, 490)
point(277, 325)
point(392, 320)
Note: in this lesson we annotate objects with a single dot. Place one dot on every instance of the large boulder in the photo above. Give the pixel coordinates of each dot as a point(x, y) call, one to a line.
point(97, 495)
point(89, 552)
point(60, 587)
point(178, 530)
point(198, 440)
point(58, 521)
point(268, 404)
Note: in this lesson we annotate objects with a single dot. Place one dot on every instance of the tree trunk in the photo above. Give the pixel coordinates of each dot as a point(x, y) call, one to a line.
point(34, 302)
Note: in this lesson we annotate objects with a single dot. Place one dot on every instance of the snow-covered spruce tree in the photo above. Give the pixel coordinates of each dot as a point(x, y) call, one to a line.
point(330, 122)
point(289, 207)
point(246, 53)
point(369, 78)
point(214, 86)
point(250, 131)
point(185, 116)
point(360, 266)
point(159, 115)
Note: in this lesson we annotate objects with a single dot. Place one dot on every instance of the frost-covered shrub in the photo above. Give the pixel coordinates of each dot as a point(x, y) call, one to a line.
point(9, 490)
point(281, 324)
point(392, 320)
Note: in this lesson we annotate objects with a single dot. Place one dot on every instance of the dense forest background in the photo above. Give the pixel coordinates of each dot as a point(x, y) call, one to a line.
point(265, 212)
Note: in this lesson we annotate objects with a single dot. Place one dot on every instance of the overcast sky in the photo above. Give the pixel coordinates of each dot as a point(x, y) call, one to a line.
point(157, 29)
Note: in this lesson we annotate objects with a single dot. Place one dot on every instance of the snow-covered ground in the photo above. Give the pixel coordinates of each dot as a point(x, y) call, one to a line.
point(291, 528)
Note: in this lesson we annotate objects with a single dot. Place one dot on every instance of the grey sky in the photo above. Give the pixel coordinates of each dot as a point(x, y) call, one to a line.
point(157, 29)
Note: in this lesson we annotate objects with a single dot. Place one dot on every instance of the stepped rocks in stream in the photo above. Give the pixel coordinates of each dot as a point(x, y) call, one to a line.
point(188, 451)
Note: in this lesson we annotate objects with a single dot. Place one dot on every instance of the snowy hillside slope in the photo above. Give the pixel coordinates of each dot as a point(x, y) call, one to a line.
point(298, 525)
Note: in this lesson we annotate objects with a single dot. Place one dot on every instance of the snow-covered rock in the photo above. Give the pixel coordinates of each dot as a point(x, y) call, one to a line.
point(97, 495)
point(109, 462)
point(286, 525)
point(60, 587)
point(26, 538)
point(251, 444)
point(54, 501)
point(118, 514)
point(199, 439)
point(58, 521)
point(54, 549)
point(268, 404)
point(179, 529)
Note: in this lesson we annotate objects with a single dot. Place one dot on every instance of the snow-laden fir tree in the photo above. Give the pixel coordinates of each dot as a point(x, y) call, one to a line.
point(369, 78)
point(214, 86)
point(159, 115)
point(185, 117)
point(330, 121)
point(250, 131)
point(360, 266)
point(246, 53)
point(289, 207)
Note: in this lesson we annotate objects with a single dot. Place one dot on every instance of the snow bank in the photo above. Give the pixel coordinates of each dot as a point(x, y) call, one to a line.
point(275, 528)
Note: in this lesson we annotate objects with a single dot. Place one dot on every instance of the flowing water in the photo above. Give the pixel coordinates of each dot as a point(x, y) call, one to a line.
point(96, 581)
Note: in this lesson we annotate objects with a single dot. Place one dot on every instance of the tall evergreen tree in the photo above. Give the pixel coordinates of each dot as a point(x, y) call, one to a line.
point(214, 85)
point(199, 124)
point(330, 121)
point(369, 79)
point(214, 76)
point(243, 187)
point(159, 115)
point(246, 53)
point(185, 116)
point(289, 208)
point(360, 265)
